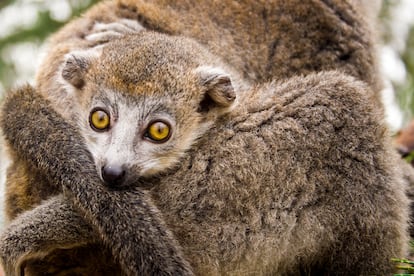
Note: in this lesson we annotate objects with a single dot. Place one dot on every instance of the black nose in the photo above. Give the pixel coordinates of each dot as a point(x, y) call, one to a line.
point(113, 175)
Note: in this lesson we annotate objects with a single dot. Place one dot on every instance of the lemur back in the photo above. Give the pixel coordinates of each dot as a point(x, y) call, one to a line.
point(263, 40)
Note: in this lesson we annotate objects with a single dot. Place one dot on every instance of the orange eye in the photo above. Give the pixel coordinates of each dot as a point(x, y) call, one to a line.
point(99, 120)
point(158, 131)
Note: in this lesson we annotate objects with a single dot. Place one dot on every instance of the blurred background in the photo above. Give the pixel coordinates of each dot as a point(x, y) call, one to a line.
point(24, 26)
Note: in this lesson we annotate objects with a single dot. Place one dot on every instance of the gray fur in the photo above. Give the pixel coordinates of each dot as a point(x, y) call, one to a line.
point(262, 40)
point(109, 212)
point(307, 203)
point(30, 235)
point(232, 212)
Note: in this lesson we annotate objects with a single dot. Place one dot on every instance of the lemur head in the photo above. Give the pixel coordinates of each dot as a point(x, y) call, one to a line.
point(144, 100)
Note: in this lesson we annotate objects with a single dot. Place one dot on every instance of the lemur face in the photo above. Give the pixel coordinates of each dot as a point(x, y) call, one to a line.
point(141, 110)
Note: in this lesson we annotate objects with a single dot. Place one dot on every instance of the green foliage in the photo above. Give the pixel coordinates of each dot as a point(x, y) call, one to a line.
point(409, 158)
point(404, 266)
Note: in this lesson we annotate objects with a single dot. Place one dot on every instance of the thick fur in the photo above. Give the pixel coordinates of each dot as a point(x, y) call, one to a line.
point(176, 78)
point(150, 248)
point(263, 40)
point(285, 215)
point(312, 207)
point(320, 196)
point(27, 246)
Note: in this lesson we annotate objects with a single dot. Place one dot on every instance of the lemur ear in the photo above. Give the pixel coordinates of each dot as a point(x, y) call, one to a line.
point(76, 66)
point(219, 88)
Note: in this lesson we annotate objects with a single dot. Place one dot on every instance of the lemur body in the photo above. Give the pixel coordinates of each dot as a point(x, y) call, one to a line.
point(249, 40)
point(262, 41)
point(320, 196)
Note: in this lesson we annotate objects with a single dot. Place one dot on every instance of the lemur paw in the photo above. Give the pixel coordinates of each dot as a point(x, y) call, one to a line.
point(104, 32)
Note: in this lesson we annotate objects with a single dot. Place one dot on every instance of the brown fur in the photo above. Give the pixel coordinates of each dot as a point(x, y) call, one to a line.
point(35, 236)
point(296, 179)
point(263, 40)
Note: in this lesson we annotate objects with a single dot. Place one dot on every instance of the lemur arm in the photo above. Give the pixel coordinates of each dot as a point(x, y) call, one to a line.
point(128, 222)
point(34, 234)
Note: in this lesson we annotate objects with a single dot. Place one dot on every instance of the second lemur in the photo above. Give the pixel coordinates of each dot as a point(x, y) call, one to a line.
point(319, 196)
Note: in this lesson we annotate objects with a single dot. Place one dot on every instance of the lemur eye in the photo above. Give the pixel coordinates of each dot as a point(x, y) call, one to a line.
point(158, 131)
point(99, 120)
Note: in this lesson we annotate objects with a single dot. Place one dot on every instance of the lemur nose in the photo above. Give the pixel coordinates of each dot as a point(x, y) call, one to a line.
point(113, 175)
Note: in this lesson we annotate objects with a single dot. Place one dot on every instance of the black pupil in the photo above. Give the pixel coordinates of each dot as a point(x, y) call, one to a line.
point(101, 116)
point(160, 127)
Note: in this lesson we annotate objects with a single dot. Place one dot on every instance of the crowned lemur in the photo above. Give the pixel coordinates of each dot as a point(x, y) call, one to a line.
point(265, 41)
point(171, 127)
